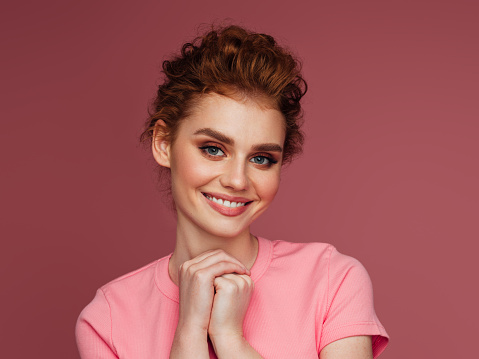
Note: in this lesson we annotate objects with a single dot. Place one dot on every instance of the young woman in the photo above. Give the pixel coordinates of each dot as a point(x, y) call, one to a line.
point(225, 120)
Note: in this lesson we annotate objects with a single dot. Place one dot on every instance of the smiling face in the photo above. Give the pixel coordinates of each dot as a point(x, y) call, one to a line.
point(225, 164)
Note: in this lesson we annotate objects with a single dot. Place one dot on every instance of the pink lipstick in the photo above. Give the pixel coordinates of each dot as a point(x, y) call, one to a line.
point(227, 205)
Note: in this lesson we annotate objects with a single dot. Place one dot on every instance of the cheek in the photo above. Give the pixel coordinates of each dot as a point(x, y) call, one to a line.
point(188, 169)
point(268, 186)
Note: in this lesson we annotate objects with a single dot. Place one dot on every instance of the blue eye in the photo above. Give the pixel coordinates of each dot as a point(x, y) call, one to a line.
point(260, 160)
point(212, 151)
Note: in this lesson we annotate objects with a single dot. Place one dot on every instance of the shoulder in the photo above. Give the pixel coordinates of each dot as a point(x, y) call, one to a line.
point(349, 276)
point(123, 289)
point(301, 250)
point(140, 279)
point(341, 265)
point(322, 263)
point(118, 302)
point(342, 288)
point(318, 252)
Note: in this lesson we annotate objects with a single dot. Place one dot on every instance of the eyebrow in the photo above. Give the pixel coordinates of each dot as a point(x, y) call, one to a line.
point(215, 134)
point(270, 147)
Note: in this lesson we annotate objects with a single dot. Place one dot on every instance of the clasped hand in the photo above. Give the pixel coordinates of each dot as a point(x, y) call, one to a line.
point(215, 291)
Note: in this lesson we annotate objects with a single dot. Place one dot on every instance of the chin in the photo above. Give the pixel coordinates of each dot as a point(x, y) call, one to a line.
point(226, 230)
point(223, 226)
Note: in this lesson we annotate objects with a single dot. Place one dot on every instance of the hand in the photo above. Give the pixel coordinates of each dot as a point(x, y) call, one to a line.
point(230, 303)
point(196, 282)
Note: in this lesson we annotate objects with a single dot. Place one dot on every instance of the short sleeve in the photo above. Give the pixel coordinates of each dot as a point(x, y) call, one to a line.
point(350, 305)
point(93, 330)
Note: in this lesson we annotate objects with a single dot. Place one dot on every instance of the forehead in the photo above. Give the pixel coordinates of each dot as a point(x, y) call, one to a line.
point(246, 118)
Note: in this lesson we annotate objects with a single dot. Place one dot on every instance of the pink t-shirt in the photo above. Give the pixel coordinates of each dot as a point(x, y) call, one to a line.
point(306, 296)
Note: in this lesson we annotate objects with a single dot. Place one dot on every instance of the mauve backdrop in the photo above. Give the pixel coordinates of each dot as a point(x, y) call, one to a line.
point(389, 173)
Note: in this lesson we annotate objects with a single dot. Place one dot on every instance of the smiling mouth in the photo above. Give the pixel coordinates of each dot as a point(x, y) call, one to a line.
point(225, 203)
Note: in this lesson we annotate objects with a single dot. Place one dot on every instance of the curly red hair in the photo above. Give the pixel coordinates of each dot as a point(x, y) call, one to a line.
point(230, 61)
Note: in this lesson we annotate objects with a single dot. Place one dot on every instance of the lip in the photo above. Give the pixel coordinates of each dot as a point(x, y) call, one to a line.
point(227, 211)
point(227, 197)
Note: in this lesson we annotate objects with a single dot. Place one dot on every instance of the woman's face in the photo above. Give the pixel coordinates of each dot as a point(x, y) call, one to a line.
point(225, 164)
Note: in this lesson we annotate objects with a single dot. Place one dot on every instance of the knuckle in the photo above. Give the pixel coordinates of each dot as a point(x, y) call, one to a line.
point(200, 276)
point(224, 256)
point(189, 270)
point(230, 286)
point(248, 281)
point(245, 285)
point(183, 269)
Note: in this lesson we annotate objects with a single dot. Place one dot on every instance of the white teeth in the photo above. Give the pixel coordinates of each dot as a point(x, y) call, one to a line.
point(225, 202)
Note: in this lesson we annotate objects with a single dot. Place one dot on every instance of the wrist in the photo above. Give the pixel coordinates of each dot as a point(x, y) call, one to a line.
point(189, 342)
point(189, 330)
point(229, 345)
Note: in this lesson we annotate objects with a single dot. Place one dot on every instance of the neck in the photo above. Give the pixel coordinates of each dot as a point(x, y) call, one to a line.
point(191, 242)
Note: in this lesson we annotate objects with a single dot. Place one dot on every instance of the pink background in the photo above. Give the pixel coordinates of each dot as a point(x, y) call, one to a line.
point(389, 175)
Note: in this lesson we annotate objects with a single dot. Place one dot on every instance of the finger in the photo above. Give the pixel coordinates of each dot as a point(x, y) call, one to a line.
point(241, 280)
point(220, 256)
point(202, 256)
point(217, 269)
point(246, 278)
point(249, 281)
point(185, 265)
point(227, 281)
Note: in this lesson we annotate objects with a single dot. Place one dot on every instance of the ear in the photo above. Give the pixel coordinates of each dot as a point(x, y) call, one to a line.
point(160, 145)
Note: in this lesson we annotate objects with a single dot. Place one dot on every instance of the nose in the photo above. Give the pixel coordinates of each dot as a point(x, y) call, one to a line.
point(235, 175)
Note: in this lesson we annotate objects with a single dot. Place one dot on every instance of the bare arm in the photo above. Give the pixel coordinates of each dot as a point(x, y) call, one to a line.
point(357, 347)
point(189, 343)
point(235, 348)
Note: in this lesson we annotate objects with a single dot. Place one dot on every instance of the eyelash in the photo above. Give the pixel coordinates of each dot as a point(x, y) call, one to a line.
point(270, 159)
point(205, 149)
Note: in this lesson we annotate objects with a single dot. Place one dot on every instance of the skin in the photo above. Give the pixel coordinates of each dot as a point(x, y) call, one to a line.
point(358, 347)
point(226, 147)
